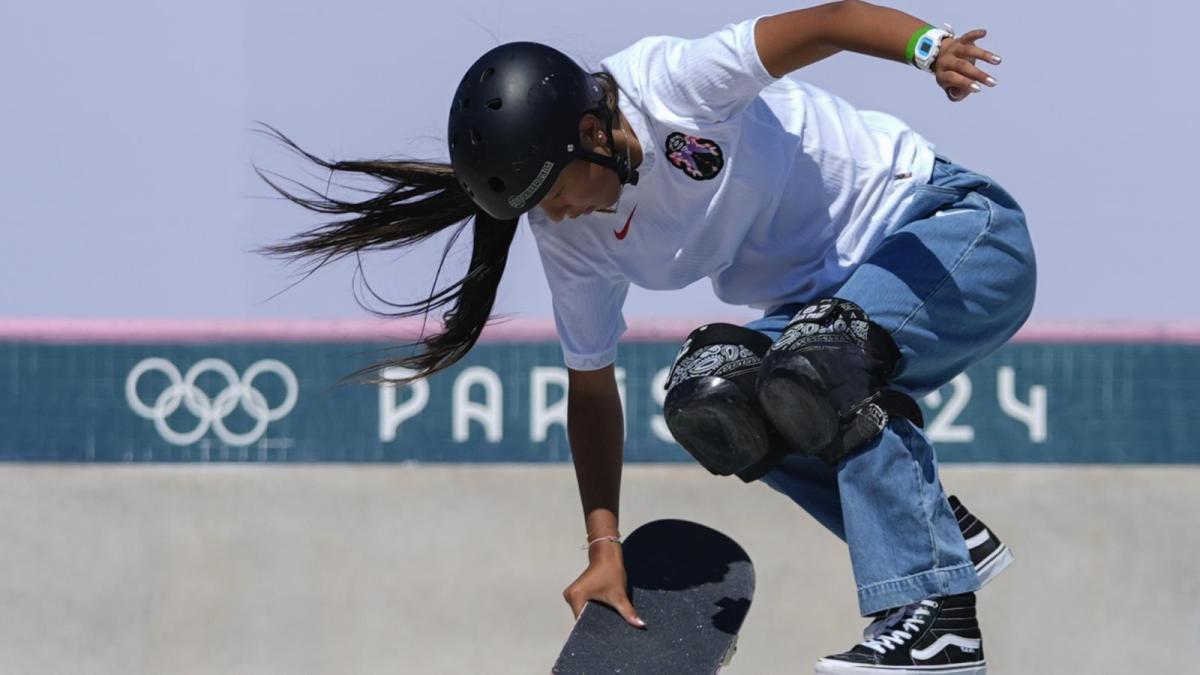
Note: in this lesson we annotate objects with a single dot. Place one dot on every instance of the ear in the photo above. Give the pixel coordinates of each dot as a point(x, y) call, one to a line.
point(591, 133)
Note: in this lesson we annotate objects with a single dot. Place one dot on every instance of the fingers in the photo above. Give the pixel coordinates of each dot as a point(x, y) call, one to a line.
point(971, 36)
point(953, 79)
point(956, 71)
point(621, 603)
point(973, 52)
point(625, 608)
point(957, 85)
point(972, 72)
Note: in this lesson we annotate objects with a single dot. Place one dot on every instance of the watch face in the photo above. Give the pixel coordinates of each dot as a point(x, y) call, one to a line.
point(924, 46)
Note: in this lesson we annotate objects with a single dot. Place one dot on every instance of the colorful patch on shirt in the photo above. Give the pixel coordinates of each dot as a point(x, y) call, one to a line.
point(699, 158)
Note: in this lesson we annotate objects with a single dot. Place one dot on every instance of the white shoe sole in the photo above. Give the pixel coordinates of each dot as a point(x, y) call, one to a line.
point(994, 564)
point(828, 667)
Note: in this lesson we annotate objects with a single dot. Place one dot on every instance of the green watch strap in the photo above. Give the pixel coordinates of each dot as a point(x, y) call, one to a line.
point(910, 52)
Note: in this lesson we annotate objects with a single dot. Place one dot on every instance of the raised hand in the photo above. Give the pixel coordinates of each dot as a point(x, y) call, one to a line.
point(955, 68)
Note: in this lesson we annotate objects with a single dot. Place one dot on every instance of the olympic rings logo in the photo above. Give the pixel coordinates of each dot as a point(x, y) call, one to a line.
point(239, 391)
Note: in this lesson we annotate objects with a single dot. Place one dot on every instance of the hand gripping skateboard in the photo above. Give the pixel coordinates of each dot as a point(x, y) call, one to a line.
point(691, 584)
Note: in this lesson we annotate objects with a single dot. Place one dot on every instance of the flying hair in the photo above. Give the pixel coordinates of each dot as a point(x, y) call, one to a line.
point(411, 202)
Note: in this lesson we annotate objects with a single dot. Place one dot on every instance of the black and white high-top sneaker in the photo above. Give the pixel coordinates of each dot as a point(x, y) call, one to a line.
point(989, 555)
point(940, 636)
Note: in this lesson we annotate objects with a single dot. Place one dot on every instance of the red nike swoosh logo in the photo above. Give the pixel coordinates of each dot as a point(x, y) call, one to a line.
point(625, 230)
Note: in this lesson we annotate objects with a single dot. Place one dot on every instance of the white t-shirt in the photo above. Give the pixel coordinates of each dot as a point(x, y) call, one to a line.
point(772, 188)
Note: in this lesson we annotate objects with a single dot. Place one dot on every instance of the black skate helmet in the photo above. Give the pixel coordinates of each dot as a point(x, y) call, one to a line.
point(514, 126)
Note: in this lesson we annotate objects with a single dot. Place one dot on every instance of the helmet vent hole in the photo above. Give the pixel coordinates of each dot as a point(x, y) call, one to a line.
point(486, 74)
point(476, 139)
point(495, 104)
point(496, 184)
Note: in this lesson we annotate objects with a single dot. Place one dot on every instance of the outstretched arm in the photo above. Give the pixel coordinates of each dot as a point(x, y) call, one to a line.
point(790, 41)
point(595, 427)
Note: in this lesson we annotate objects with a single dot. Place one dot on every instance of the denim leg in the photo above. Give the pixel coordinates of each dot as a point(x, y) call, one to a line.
point(905, 545)
point(813, 485)
point(808, 481)
point(951, 284)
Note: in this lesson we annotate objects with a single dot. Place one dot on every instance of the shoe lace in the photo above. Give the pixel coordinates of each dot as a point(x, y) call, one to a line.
point(913, 617)
point(882, 624)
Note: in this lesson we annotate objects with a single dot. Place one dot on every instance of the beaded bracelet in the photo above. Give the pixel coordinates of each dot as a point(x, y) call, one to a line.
point(613, 538)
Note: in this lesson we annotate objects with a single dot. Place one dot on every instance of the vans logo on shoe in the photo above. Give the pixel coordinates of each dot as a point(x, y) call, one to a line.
point(979, 539)
point(968, 645)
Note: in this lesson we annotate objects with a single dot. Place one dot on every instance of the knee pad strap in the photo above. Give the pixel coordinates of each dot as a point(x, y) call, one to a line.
point(823, 384)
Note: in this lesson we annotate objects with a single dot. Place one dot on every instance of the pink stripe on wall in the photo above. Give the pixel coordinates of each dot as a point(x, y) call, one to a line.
point(1177, 332)
point(253, 330)
point(518, 329)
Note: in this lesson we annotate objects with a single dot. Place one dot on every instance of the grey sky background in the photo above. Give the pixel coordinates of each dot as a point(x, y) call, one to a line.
point(128, 189)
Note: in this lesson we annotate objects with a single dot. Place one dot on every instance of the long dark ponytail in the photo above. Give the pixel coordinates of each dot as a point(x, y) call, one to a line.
point(416, 201)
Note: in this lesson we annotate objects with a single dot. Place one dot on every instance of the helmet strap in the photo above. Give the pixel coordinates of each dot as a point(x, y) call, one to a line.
point(619, 161)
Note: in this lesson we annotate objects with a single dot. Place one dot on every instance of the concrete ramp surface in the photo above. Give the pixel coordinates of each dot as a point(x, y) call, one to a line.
point(331, 569)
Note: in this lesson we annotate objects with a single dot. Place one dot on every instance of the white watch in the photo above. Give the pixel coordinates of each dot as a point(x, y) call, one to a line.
point(928, 46)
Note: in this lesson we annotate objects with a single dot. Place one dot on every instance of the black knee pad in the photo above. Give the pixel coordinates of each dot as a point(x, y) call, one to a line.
point(711, 408)
point(823, 384)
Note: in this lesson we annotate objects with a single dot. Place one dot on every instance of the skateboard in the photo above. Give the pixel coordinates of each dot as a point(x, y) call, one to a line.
point(690, 583)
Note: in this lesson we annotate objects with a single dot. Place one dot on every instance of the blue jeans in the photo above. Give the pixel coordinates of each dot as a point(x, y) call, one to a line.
point(951, 283)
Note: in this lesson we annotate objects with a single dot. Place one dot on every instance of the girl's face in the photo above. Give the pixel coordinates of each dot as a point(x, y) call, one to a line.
point(583, 187)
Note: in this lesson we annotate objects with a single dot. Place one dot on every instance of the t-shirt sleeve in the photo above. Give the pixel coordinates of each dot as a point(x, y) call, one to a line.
point(711, 78)
point(587, 303)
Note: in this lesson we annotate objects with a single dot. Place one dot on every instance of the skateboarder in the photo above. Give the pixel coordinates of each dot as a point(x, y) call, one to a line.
point(884, 270)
